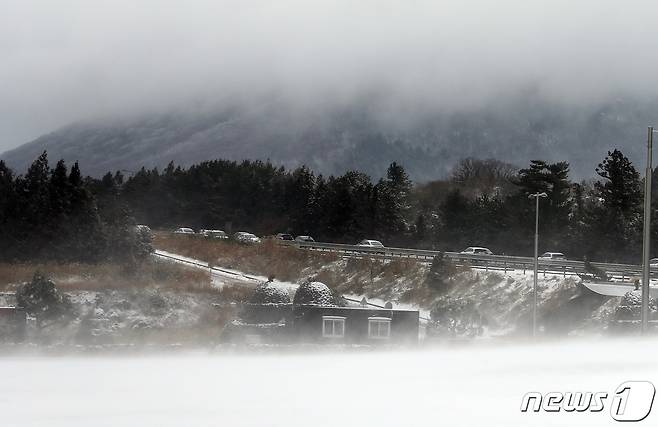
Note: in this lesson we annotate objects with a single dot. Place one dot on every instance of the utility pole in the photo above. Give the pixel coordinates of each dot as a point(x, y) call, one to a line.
point(646, 246)
point(534, 283)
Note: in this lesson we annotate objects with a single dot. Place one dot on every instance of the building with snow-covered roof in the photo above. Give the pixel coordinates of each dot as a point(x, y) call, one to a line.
point(317, 315)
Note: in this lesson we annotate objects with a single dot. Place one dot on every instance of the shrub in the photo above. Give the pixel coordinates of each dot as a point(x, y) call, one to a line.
point(439, 276)
point(267, 293)
point(41, 299)
point(314, 293)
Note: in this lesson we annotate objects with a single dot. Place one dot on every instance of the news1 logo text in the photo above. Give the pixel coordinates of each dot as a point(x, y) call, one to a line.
point(631, 402)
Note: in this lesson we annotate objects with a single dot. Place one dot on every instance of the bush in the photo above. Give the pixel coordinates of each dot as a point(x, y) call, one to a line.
point(630, 307)
point(314, 293)
point(41, 299)
point(267, 293)
point(456, 317)
point(439, 276)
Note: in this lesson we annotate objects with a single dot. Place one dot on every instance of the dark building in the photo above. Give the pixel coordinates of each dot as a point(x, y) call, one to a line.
point(315, 316)
point(355, 325)
point(12, 323)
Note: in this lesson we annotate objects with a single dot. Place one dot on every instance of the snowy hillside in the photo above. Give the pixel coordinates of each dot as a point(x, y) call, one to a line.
point(357, 137)
point(478, 303)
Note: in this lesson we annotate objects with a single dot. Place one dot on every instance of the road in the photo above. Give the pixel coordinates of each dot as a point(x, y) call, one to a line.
point(622, 274)
point(486, 262)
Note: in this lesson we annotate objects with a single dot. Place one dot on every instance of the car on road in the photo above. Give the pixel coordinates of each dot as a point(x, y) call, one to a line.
point(653, 262)
point(214, 234)
point(371, 243)
point(375, 244)
point(183, 230)
point(244, 237)
point(553, 256)
point(476, 250)
point(285, 236)
point(304, 239)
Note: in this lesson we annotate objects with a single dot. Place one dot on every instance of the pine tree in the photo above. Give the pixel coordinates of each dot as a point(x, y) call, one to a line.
point(621, 188)
point(390, 202)
point(300, 200)
point(541, 177)
point(7, 192)
point(617, 220)
point(35, 192)
point(455, 227)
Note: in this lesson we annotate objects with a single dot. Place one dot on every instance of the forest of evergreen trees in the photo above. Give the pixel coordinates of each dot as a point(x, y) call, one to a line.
point(56, 214)
point(52, 215)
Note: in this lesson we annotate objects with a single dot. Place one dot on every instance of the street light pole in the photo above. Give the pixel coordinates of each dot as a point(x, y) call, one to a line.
point(534, 284)
point(646, 247)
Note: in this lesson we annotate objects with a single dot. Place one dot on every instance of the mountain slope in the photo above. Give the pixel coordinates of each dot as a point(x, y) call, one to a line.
point(333, 140)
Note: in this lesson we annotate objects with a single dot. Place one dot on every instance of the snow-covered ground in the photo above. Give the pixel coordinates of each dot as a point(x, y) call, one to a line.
point(501, 300)
point(473, 385)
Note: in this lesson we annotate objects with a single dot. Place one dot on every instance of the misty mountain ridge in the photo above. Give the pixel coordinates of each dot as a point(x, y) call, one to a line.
point(334, 140)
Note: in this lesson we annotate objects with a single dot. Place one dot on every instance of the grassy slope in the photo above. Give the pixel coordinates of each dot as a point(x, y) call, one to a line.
point(501, 302)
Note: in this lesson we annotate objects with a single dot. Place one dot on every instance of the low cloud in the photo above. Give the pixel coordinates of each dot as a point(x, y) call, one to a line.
point(73, 59)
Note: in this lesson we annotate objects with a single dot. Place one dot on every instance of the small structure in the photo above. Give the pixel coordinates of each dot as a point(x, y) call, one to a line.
point(13, 322)
point(316, 315)
point(13, 319)
point(355, 325)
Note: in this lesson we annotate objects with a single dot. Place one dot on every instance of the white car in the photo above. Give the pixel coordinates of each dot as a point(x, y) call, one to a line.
point(304, 239)
point(653, 262)
point(244, 237)
point(371, 243)
point(553, 256)
point(375, 244)
point(476, 250)
point(183, 230)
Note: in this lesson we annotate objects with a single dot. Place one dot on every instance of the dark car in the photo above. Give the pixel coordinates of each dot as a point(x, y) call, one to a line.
point(285, 236)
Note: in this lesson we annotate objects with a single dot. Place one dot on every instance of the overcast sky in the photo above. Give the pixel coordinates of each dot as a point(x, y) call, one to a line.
point(66, 60)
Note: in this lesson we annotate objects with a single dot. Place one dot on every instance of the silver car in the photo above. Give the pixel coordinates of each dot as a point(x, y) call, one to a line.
point(244, 237)
point(375, 244)
point(476, 250)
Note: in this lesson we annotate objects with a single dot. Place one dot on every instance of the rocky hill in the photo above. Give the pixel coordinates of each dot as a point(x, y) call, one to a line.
point(332, 140)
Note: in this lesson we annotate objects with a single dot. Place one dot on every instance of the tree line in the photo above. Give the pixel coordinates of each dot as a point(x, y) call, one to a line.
point(51, 214)
point(259, 197)
point(487, 203)
point(483, 203)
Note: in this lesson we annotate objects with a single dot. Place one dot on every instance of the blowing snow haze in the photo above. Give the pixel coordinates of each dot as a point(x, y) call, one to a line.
point(335, 85)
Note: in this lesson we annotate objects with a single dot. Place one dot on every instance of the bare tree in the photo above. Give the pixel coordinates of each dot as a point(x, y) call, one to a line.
point(477, 177)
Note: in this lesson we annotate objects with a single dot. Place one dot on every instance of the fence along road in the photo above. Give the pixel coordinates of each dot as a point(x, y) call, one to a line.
point(622, 272)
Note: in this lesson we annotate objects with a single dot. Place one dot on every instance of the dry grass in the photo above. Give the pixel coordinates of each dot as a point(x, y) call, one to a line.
point(267, 259)
point(421, 295)
point(361, 276)
point(387, 279)
point(235, 293)
point(72, 276)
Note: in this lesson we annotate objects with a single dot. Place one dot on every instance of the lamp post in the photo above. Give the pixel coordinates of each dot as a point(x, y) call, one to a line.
point(534, 284)
point(646, 247)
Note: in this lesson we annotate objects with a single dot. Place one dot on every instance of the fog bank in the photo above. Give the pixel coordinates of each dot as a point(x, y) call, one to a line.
point(76, 59)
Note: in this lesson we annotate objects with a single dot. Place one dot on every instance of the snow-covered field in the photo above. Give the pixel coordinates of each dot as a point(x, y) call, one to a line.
point(471, 385)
